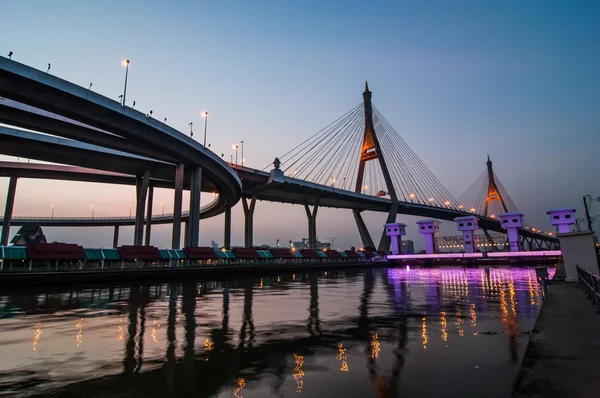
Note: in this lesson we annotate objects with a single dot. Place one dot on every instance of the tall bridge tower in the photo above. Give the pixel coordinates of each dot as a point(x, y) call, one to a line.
point(371, 150)
point(493, 193)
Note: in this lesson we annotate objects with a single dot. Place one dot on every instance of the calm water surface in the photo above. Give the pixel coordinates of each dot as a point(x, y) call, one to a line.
point(368, 333)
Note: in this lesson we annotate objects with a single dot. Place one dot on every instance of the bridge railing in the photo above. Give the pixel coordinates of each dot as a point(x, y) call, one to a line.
point(591, 284)
point(109, 218)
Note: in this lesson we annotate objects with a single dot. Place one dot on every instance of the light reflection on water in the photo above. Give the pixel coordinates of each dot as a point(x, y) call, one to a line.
point(368, 333)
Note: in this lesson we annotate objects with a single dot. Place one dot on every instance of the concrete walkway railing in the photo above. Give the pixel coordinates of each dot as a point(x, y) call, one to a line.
point(591, 284)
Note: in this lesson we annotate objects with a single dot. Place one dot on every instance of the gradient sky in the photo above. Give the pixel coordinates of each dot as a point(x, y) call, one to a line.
point(457, 79)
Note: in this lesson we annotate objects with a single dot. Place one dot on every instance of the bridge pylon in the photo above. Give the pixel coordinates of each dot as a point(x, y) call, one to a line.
point(371, 150)
point(493, 193)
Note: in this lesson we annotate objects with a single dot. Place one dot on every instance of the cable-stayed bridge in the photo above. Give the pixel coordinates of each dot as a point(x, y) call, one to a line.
point(358, 162)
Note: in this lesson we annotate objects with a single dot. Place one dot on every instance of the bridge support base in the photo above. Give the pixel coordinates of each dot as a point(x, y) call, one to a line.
point(384, 242)
point(176, 241)
point(149, 217)
point(142, 184)
point(365, 237)
point(193, 225)
point(116, 237)
point(8, 210)
point(227, 229)
point(248, 220)
point(312, 225)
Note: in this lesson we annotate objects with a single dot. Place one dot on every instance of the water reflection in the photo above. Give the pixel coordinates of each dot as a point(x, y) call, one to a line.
point(319, 334)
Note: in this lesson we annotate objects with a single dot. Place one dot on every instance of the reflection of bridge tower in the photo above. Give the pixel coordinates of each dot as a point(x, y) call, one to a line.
point(493, 193)
point(371, 150)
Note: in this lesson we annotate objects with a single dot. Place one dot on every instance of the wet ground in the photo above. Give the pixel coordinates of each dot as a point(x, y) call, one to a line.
point(364, 333)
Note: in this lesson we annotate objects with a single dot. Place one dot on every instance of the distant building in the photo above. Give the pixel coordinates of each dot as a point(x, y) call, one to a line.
point(214, 245)
point(29, 233)
point(408, 246)
point(304, 245)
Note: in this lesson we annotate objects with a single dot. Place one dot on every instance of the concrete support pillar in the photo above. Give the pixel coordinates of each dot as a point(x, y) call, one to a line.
point(149, 217)
point(429, 228)
point(142, 183)
point(227, 229)
point(312, 225)
point(365, 237)
point(395, 231)
point(193, 225)
point(8, 210)
point(384, 242)
point(249, 220)
point(176, 242)
point(186, 232)
point(116, 237)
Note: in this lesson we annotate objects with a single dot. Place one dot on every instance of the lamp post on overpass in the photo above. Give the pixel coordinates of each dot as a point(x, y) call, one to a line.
point(126, 63)
point(53, 212)
point(236, 154)
point(205, 123)
point(162, 205)
point(130, 210)
point(242, 142)
point(93, 208)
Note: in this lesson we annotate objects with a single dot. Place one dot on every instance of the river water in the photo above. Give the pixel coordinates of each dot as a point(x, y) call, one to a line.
point(363, 333)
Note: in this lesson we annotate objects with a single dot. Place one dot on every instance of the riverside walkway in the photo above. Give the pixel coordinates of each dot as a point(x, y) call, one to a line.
point(563, 356)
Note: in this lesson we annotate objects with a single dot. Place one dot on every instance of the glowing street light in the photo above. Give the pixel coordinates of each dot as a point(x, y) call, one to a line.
point(472, 209)
point(242, 142)
point(93, 208)
point(53, 212)
point(126, 64)
point(447, 203)
point(236, 153)
point(162, 205)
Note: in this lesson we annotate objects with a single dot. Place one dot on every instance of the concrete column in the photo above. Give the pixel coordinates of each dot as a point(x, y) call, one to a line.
point(395, 231)
point(249, 220)
point(186, 232)
point(193, 224)
point(176, 242)
point(429, 228)
point(8, 210)
point(312, 225)
point(227, 232)
point(149, 216)
point(365, 237)
point(116, 237)
point(142, 183)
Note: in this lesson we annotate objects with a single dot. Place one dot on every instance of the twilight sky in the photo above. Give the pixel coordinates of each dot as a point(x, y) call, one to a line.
point(458, 80)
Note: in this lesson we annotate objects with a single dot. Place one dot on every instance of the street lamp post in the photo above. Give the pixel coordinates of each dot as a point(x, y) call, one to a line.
point(205, 123)
point(236, 154)
point(126, 62)
point(93, 208)
point(191, 132)
point(242, 142)
point(53, 212)
point(129, 210)
point(162, 205)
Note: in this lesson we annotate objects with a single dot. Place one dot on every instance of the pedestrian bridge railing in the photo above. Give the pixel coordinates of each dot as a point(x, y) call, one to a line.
point(591, 284)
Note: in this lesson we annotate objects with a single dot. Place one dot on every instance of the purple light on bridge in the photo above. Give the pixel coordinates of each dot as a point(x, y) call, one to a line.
point(545, 253)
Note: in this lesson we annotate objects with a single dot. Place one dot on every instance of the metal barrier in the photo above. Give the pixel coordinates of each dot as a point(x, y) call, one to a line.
point(591, 284)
